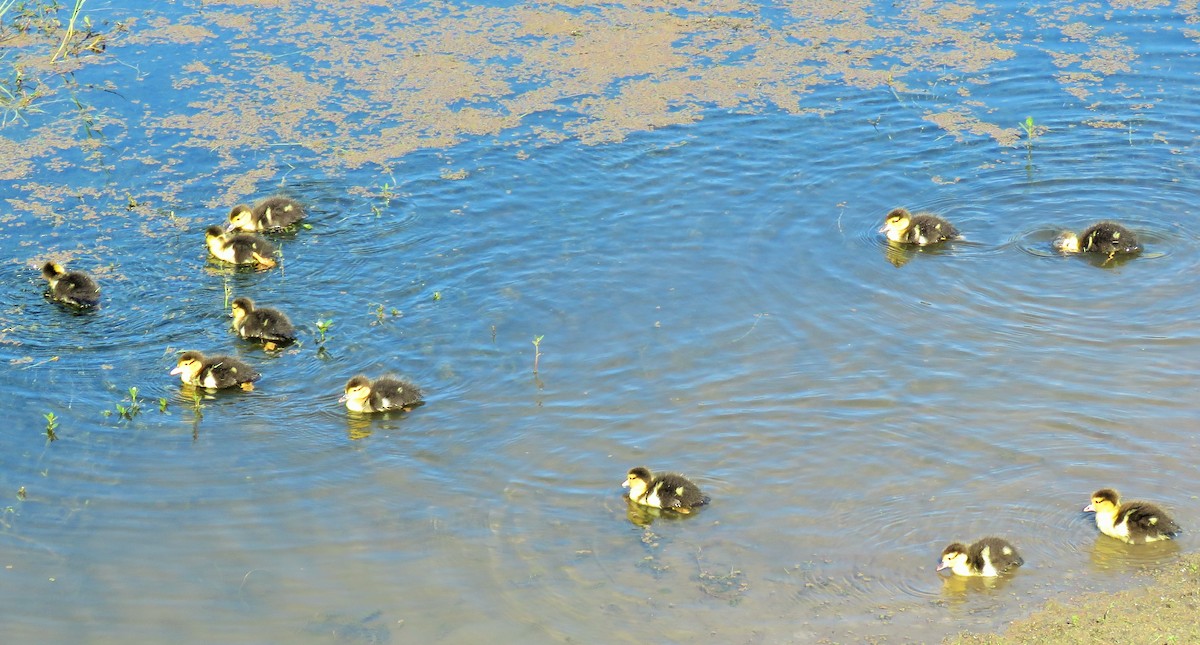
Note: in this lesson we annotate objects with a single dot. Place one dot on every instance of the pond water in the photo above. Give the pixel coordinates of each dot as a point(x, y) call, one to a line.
point(693, 239)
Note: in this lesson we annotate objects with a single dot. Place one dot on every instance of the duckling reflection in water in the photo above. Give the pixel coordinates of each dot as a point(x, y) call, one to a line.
point(214, 372)
point(74, 288)
point(382, 394)
point(921, 229)
point(239, 248)
point(276, 213)
point(270, 326)
point(988, 557)
point(1104, 238)
point(1131, 522)
point(667, 491)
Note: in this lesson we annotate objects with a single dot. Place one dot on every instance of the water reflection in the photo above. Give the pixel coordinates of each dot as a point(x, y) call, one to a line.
point(1109, 554)
point(957, 589)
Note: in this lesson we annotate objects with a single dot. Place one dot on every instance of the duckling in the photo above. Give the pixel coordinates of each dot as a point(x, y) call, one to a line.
point(271, 214)
point(270, 326)
point(216, 372)
point(74, 288)
point(921, 229)
point(1132, 522)
point(239, 248)
point(668, 490)
point(989, 557)
point(386, 393)
point(1107, 238)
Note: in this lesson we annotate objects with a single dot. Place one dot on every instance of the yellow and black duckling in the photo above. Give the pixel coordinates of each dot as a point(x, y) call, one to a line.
point(216, 372)
point(1132, 522)
point(386, 393)
point(921, 229)
point(988, 557)
point(1105, 238)
point(668, 490)
point(274, 213)
point(72, 287)
point(239, 248)
point(270, 326)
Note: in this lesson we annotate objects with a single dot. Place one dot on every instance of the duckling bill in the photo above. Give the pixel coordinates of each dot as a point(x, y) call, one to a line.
point(276, 213)
point(214, 372)
point(239, 248)
point(74, 288)
point(386, 393)
point(1104, 238)
point(988, 557)
point(270, 326)
point(921, 229)
point(668, 491)
point(1131, 522)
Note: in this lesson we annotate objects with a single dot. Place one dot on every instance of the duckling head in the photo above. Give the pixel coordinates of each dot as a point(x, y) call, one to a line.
point(188, 366)
point(1104, 502)
point(356, 392)
point(953, 557)
point(896, 224)
point(241, 218)
point(53, 270)
point(1066, 242)
point(240, 308)
point(637, 481)
point(213, 232)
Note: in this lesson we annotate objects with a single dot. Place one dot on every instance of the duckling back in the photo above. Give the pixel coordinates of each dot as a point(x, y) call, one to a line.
point(677, 493)
point(74, 288)
point(1108, 238)
point(390, 393)
point(262, 323)
point(239, 248)
point(278, 212)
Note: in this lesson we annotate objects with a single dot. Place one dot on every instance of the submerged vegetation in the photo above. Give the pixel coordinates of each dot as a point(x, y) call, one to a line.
point(34, 70)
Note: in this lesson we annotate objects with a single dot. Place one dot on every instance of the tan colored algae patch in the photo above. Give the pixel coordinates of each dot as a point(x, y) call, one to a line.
point(352, 83)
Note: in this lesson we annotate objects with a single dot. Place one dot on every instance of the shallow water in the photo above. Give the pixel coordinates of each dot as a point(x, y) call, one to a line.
point(711, 295)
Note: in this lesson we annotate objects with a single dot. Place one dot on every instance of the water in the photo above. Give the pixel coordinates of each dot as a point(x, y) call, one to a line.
point(711, 297)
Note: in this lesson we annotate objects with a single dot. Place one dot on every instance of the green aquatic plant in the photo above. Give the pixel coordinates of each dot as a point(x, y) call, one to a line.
point(133, 409)
point(1031, 132)
point(537, 353)
point(162, 404)
point(51, 426)
point(71, 31)
point(323, 327)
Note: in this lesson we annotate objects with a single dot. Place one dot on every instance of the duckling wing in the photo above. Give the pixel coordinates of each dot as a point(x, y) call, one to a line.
point(248, 248)
point(1147, 521)
point(390, 393)
point(227, 372)
point(270, 325)
point(927, 229)
point(678, 492)
point(78, 289)
point(277, 213)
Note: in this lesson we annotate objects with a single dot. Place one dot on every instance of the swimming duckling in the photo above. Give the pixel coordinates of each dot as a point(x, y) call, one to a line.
point(668, 490)
point(387, 393)
point(74, 288)
point(1132, 522)
point(921, 229)
point(239, 248)
point(216, 372)
point(1106, 238)
point(274, 213)
point(270, 326)
point(988, 557)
